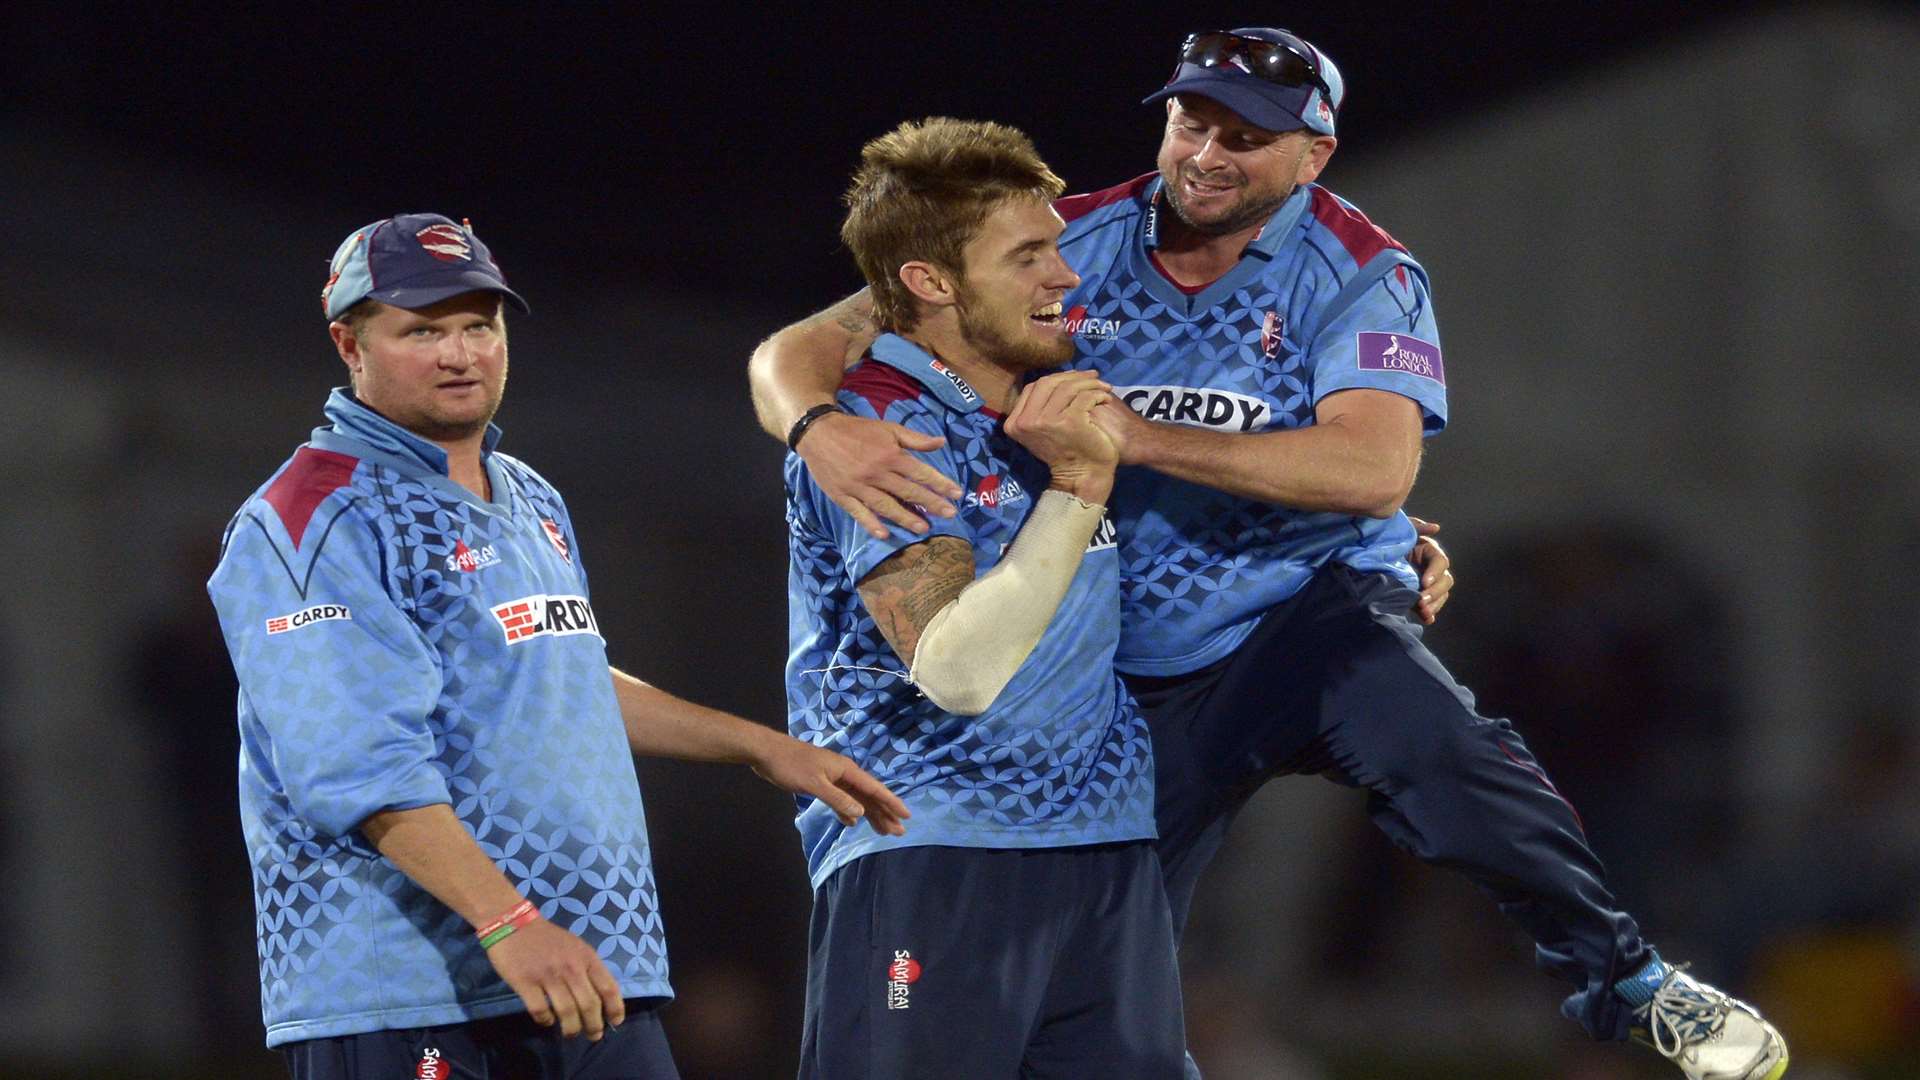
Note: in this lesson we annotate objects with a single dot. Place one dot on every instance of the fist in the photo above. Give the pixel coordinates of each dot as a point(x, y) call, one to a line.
point(1053, 418)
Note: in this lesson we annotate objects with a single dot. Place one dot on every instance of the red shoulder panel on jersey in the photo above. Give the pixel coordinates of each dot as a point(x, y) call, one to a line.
point(1074, 206)
point(1362, 238)
point(312, 476)
point(881, 385)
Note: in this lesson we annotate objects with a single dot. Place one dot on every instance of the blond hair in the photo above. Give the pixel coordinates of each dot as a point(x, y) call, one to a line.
point(922, 192)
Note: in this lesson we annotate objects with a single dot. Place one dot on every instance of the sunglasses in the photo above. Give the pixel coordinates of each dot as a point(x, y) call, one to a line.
point(1276, 62)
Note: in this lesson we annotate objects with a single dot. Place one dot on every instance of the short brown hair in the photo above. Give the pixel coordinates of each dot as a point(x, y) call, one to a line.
point(356, 316)
point(922, 191)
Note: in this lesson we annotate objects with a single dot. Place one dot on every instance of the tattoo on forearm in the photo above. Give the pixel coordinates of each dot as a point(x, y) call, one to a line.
point(906, 591)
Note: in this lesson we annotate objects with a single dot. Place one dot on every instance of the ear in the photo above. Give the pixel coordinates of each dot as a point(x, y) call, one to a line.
point(1315, 159)
point(929, 284)
point(346, 345)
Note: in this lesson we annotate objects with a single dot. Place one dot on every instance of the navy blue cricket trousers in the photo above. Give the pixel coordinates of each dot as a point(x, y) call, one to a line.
point(947, 963)
point(1335, 681)
point(510, 1047)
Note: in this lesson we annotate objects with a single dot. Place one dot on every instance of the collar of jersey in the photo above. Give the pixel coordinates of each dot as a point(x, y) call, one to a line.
point(1266, 244)
point(918, 364)
point(356, 421)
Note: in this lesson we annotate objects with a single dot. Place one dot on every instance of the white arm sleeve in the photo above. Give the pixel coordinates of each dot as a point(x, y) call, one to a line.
point(972, 646)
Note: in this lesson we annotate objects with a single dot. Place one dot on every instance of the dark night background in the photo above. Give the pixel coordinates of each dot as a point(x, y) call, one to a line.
point(663, 186)
point(707, 148)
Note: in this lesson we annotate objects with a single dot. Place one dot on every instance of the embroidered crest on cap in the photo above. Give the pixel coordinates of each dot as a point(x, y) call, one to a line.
point(445, 242)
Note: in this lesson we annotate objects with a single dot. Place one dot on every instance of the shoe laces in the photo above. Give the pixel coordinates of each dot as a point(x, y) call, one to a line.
point(1684, 1013)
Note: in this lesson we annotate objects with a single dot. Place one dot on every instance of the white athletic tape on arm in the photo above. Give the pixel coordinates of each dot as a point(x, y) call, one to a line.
point(972, 646)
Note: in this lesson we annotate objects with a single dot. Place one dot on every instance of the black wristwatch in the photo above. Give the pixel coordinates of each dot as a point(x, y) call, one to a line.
point(806, 421)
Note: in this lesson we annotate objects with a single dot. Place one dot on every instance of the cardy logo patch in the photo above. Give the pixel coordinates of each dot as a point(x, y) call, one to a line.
point(1400, 352)
point(902, 972)
point(1215, 409)
point(1079, 325)
point(959, 383)
point(466, 560)
point(541, 616)
point(318, 613)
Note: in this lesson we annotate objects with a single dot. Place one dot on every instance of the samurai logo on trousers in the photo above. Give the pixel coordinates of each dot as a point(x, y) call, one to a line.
point(902, 972)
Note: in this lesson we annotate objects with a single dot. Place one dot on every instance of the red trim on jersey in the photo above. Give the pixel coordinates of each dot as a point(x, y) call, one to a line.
point(1075, 206)
point(881, 385)
point(1362, 238)
point(1190, 290)
point(313, 475)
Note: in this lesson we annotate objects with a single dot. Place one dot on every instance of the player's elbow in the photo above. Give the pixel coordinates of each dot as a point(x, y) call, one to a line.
point(1382, 502)
point(960, 688)
point(959, 696)
point(763, 362)
point(1382, 487)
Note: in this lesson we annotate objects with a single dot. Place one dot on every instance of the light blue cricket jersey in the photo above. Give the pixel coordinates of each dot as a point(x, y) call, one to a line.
point(1321, 301)
point(401, 642)
point(1060, 758)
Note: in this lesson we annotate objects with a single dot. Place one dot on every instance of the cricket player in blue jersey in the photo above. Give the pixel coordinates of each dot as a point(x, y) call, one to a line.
point(450, 859)
point(1021, 928)
point(1279, 361)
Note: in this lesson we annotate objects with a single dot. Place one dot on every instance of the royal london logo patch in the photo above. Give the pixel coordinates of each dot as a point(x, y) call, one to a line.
point(1400, 352)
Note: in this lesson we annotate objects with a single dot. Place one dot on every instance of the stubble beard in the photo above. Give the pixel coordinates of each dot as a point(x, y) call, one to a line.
point(1249, 214)
point(1021, 355)
point(433, 425)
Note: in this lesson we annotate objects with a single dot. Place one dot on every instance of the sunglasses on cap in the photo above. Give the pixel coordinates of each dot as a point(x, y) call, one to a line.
point(1280, 63)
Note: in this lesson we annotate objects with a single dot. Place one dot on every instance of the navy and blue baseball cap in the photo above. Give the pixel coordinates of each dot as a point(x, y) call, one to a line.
point(1273, 78)
point(411, 261)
